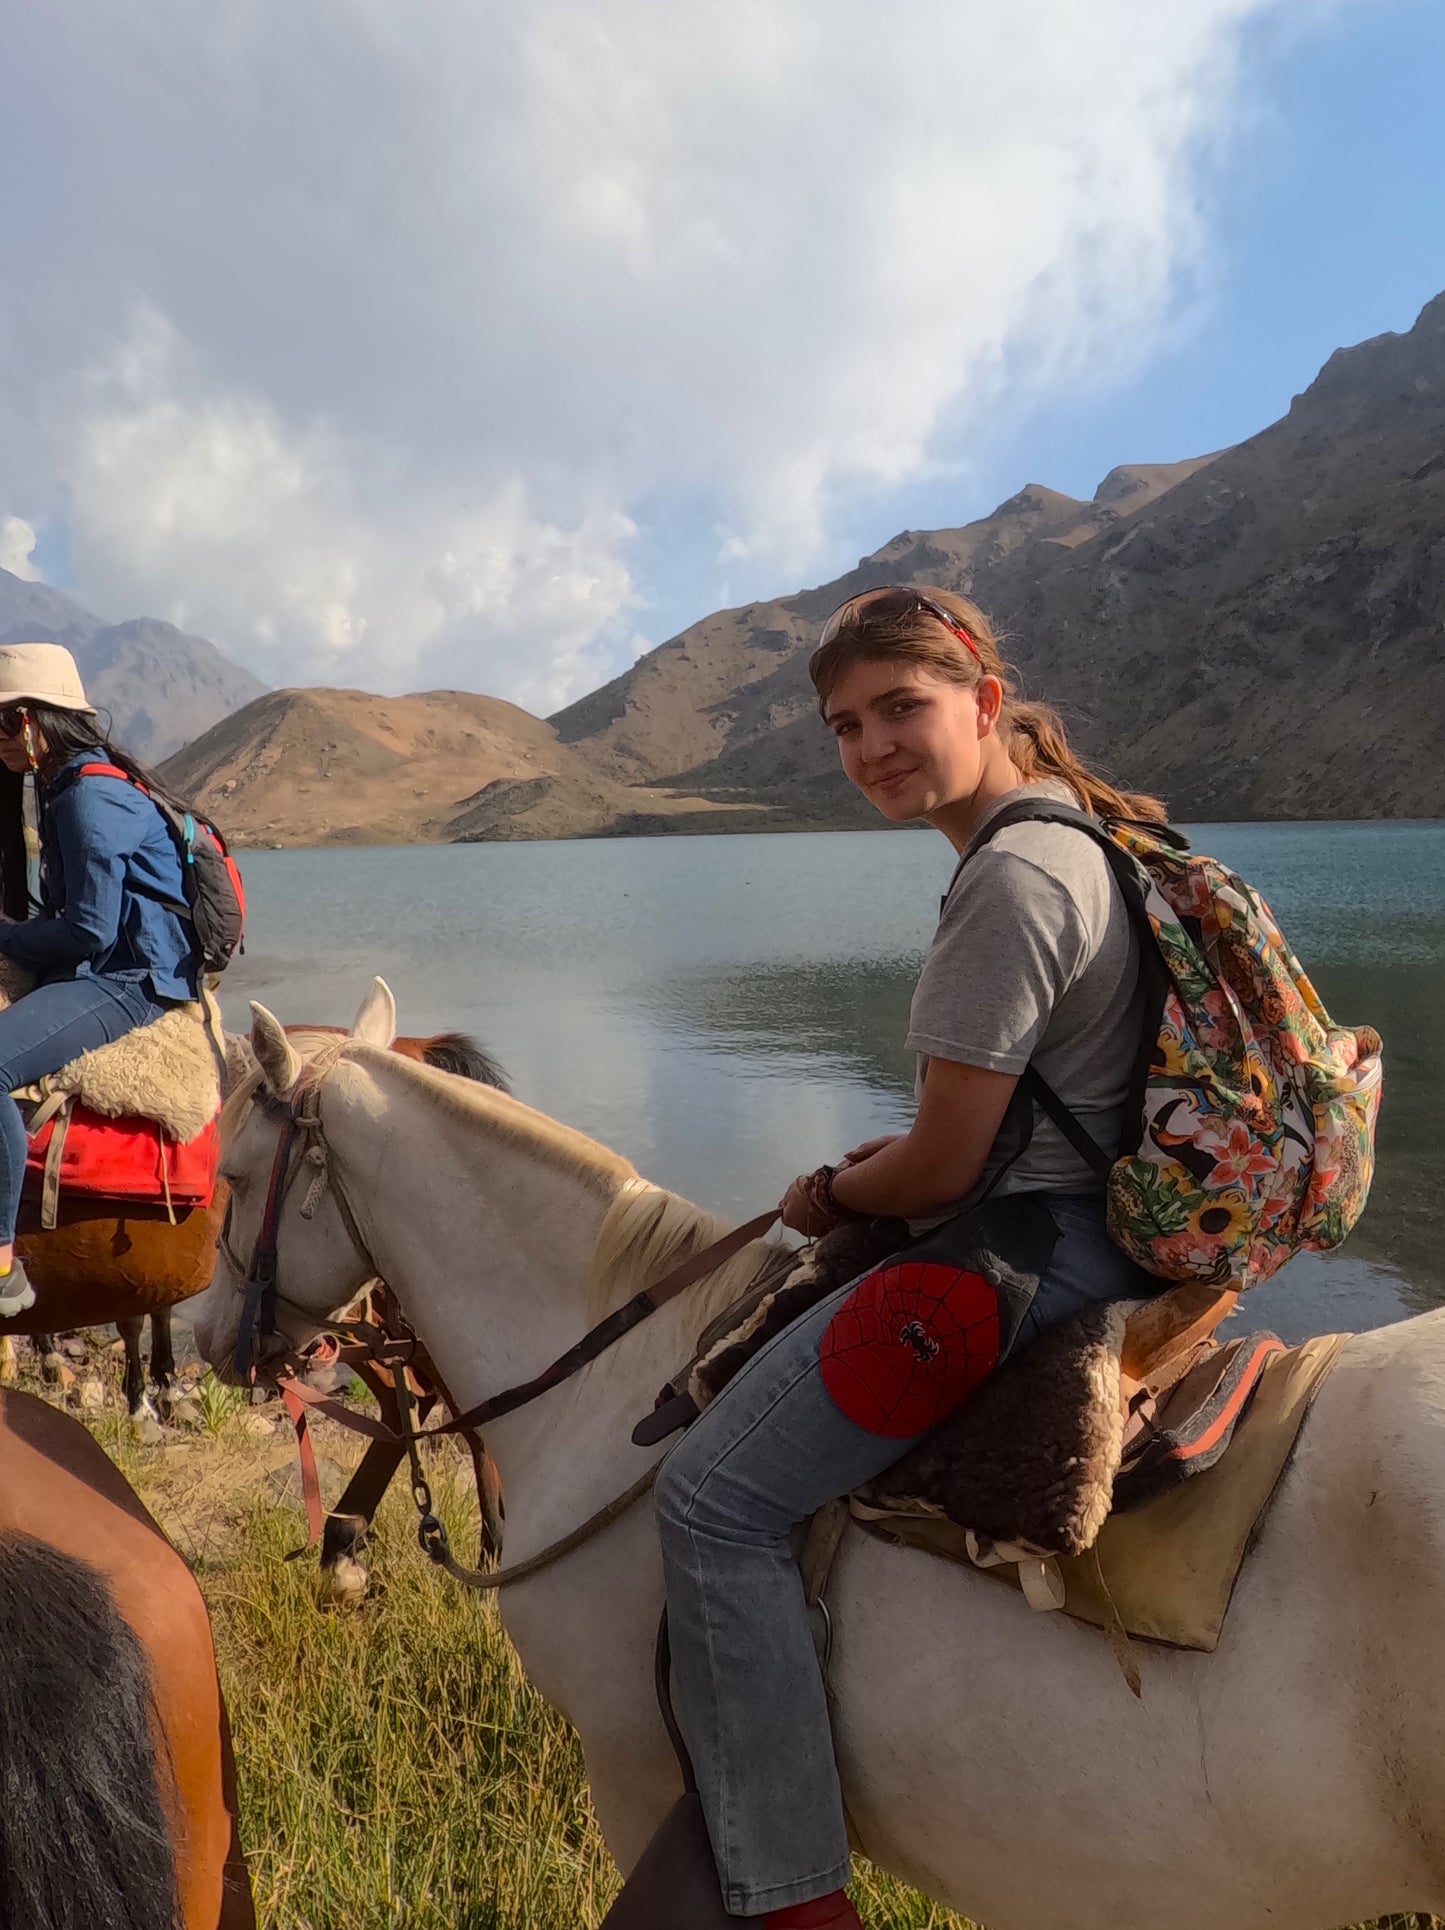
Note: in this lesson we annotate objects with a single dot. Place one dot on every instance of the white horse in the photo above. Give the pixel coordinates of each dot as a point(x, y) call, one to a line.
point(990, 1756)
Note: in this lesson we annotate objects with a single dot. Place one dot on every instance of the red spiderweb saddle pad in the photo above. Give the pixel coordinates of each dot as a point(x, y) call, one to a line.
point(921, 1331)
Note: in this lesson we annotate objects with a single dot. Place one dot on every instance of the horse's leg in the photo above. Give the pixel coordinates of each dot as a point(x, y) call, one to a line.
point(163, 1358)
point(53, 1365)
point(129, 1330)
point(489, 1496)
point(238, 1908)
point(343, 1576)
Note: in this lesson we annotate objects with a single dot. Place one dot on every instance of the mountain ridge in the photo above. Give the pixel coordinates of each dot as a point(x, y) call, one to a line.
point(160, 685)
point(1257, 632)
point(1254, 634)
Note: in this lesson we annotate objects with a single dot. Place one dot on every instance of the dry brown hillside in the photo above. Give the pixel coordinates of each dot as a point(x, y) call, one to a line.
point(347, 767)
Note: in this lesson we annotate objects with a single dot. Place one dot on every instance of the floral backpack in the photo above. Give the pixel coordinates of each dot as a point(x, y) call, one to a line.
point(1252, 1134)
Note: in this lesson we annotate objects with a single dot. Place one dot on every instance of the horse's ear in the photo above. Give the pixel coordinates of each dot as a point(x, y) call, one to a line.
point(376, 1021)
point(240, 1060)
point(278, 1059)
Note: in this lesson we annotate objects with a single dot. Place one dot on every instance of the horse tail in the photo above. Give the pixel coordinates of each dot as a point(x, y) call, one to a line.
point(85, 1839)
point(458, 1052)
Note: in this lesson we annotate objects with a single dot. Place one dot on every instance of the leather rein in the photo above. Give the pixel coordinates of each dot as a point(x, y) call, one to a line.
point(257, 1281)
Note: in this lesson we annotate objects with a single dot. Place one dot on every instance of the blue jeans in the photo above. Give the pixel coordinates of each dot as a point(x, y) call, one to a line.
point(770, 1450)
point(44, 1031)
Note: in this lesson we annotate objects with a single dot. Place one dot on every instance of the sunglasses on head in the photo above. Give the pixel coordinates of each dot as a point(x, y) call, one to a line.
point(12, 719)
point(896, 599)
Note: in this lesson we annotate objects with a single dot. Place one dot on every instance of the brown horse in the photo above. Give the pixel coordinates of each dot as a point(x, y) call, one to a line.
point(115, 1755)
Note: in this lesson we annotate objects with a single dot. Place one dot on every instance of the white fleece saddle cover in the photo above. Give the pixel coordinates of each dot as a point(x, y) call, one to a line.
point(165, 1071)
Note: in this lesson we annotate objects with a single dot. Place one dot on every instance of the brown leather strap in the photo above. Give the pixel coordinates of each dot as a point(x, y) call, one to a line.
point(587, 1349)
point(299, 1398)
point(610, 1330)
point(310, 1473)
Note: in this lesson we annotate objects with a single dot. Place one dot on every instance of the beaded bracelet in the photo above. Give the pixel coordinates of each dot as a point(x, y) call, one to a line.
point(825, 1199)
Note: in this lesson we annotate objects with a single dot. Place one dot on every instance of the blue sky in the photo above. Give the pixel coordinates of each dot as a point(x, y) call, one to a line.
point(1327, 218)
point(483, 346)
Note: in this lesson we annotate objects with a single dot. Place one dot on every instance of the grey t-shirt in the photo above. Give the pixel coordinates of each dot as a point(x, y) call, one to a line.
point(1035, 959)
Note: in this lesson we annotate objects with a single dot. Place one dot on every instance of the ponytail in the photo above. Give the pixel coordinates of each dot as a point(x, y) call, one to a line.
point(1037, 748)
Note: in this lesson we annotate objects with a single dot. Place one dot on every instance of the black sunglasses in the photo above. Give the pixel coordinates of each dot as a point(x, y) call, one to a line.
point(901, 599)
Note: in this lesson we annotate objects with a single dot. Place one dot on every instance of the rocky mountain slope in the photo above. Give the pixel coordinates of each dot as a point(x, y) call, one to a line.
point(343, 766)
point(160, 686)
point(1254, 634)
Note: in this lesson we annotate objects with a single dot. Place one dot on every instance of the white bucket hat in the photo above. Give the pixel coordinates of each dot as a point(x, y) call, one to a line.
point(41, 673)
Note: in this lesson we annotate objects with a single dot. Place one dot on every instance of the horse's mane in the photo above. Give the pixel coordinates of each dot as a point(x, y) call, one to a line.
point(647, 1230)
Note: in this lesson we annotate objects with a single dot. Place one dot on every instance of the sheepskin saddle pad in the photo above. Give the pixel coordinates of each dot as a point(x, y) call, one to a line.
point(1163, 1570)
point(166, 1072)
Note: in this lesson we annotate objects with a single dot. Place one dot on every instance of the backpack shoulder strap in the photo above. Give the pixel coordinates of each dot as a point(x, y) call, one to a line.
point(1129, 877)
point(1041, 810)
point(109, 770)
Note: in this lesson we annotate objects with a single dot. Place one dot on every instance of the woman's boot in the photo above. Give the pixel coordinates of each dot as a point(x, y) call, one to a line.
point(674, 1885)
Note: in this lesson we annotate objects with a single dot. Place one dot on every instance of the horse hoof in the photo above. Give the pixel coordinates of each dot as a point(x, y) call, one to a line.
point(344, 1583)
point(57, 1371)
point(146, 1430)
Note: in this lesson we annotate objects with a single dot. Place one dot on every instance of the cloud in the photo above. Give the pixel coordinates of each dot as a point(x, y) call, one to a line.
point(17, 545)
point(365, 339)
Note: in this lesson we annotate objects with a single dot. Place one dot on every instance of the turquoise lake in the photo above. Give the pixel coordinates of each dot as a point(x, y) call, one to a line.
point(730, 1010)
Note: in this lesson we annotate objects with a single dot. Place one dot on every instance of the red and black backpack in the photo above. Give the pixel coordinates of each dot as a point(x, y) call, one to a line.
point(215, 898)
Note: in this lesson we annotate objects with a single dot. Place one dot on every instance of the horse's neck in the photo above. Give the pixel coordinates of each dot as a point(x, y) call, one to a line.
point(489, 1246)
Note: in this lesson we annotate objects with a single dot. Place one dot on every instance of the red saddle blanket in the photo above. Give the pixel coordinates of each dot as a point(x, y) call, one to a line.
point(124, 1159)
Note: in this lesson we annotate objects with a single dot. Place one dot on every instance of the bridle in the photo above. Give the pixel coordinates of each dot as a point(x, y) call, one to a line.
point(299, 1118)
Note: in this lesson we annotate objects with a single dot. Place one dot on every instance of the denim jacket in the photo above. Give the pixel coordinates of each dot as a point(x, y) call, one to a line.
point(109, 875)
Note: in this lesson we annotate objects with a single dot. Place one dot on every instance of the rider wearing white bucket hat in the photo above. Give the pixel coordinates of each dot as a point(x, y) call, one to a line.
point(108, 949)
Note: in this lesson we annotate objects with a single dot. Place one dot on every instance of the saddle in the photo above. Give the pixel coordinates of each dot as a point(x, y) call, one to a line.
point(133, 1120)
point(1102, 1419)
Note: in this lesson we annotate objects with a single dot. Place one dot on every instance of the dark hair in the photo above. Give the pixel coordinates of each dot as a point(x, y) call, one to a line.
point(85, 1829)
point(69, 732)
point(886, 628)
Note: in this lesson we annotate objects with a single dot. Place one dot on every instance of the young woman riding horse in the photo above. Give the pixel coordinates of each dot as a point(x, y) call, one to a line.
point(109, 951)
point(1033, 963)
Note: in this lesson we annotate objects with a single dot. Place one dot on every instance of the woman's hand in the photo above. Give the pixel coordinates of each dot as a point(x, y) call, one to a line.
point(802, 1208)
